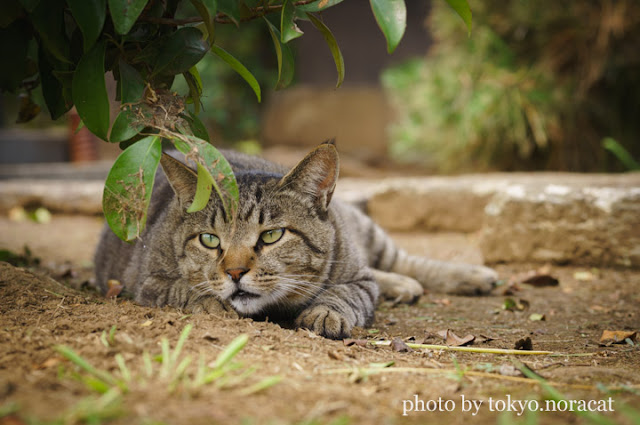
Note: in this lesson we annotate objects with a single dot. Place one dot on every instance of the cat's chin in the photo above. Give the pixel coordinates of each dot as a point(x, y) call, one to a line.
point(248, 304)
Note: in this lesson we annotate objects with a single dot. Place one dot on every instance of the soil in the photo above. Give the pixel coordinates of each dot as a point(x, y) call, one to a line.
point(322, 381)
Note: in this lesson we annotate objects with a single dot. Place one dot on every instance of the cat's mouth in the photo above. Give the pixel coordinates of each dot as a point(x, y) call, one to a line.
point(243, 296)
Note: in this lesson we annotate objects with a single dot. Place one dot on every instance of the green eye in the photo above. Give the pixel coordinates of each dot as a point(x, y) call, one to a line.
point(209, 240)
point(271, 236)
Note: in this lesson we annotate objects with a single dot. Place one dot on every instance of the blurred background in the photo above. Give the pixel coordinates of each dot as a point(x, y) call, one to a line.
point(538, 85)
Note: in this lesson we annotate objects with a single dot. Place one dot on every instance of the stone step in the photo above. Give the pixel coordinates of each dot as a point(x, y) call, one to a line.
point(587, 219)
point(590, 219)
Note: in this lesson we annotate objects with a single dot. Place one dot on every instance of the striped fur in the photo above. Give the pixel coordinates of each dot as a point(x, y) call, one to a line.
point(324, 274)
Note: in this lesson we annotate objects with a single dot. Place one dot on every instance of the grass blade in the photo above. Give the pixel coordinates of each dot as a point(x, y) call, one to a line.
point(231, 350)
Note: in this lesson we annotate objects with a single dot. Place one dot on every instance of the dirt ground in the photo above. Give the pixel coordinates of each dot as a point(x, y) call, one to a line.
point(321, 381)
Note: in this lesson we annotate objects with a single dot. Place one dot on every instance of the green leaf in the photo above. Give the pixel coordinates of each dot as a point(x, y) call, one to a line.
point(14, 43)
point(207, 12)
point(203, 190)
point(462, 9)
point(128, 188)
point(239, 68)
point(223, 180)
point(195, 87)
point(52, 88)
point(198, 129)
point(231, 9)
point(623, 155)
point(90, 16)
point(284, 56)
point(124, 13)
point(125, 126)
point(288, 27)
point(48, 20)
point(333, 46)
point(89, 91)
point(318, 5)
point(131, 83)
point(391, 16)
point(180, 51)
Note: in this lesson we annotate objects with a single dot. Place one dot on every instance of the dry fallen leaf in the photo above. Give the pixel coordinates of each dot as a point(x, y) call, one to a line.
point(115, 288)
point(454, 340)
point(540, 280)
point(360, 342)
point(333, 354)
point(399, 345)
point(617, 337)
point(524, 344)
point(583, 276)
point(535, 317)
point(50, 362)
point(509, 370)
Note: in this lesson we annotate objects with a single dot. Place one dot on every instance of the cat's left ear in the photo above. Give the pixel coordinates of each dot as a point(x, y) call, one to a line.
point(316, 175)
point(183, 180)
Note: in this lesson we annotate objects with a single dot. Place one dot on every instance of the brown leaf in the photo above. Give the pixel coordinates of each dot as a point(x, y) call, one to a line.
point(50, 362)
point(443, 302)
point(509, 370)
point(115, 288)
point(524, 344)
point(452, 339)
point(360, 342)
point(541, 280)
point(399, 345)
point(483, 338)
point(333, 354)
point(617, 337)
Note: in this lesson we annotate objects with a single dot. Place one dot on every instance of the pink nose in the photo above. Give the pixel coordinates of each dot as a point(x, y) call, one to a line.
point(236, 274)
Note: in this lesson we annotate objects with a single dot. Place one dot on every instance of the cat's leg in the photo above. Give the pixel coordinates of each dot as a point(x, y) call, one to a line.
point(335, 311)
point(159, 291)
point(398, 287)
point(438, 276)
point(450, 278)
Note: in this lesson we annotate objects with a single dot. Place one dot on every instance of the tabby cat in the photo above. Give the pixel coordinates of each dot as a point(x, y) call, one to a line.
point(291, 254)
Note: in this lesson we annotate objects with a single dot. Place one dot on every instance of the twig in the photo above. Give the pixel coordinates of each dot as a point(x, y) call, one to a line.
point(426, 371)
point(468, 349)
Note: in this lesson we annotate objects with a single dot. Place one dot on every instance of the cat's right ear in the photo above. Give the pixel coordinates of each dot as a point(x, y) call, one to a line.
point(183, 180)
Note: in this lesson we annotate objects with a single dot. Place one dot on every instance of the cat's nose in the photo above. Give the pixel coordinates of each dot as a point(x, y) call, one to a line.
point(236, 274)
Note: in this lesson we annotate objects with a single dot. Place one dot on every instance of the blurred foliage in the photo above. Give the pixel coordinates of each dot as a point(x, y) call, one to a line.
point(537, 85)
point(229, 110)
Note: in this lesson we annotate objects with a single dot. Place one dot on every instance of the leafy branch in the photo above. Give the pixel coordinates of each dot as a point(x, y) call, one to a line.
point(67, 47)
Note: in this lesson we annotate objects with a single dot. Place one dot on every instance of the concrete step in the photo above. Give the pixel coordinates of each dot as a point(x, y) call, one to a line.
point(586, 219)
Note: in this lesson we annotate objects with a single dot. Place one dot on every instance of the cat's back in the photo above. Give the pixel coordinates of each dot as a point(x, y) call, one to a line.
point(243, 163)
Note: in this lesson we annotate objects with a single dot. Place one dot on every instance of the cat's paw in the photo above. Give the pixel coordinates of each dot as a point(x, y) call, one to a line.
point(211, 305)
point(325, 321)
point(472, 280)
point(397, 287)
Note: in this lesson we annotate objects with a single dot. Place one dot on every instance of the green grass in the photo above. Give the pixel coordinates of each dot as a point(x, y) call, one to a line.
point(169, 372)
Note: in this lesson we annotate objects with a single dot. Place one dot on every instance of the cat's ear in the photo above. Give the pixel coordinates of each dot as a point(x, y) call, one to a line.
point(183, 180)
point(316, 175)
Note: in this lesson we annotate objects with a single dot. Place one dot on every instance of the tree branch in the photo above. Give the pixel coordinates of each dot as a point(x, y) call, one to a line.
point(222, 18)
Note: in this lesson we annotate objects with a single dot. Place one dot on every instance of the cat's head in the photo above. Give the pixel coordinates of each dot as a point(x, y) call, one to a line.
point(276, 254)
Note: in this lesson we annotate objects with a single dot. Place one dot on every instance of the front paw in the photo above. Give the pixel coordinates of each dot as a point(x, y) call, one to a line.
point(472, 280)
point(325, 321)
point(211, 305)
